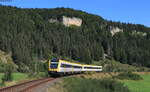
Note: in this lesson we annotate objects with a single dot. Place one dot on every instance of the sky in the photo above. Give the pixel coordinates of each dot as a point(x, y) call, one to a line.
point(129, 11)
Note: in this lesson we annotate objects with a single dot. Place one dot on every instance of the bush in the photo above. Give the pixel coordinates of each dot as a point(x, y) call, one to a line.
point(129, 76)
point(4, 67)
point(8, 73)
point(7, 76)
point(93, 85)
point(2, 84)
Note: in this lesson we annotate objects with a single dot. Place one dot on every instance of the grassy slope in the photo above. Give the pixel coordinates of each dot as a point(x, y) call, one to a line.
point(139, 86)
point(16, 78)
point(21, 77)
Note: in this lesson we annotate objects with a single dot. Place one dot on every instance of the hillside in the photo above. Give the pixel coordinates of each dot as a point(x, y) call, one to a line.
point(35, 34)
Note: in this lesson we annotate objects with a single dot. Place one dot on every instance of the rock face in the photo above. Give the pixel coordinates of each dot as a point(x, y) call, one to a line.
point(53, 20)
point(67, 21)
point(115, 30)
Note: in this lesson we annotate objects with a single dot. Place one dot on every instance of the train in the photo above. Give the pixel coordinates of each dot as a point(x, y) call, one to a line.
point(58, 66)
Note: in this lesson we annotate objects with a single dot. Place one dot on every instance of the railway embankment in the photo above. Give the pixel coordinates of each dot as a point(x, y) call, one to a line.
point(39, 85)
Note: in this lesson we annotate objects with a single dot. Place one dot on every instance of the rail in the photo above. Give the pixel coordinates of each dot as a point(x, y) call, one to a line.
point(26, 86)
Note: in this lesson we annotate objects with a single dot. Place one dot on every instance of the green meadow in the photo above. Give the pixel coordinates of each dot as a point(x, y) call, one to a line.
point(24, 76)
point(16, 78)
point(140, 85)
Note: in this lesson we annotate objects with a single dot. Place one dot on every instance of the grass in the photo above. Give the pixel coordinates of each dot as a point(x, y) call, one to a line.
point(17, 77)
point(82, 83)
point(21, 77)
point(128, 76)
point(140, 85)
point(93, 85)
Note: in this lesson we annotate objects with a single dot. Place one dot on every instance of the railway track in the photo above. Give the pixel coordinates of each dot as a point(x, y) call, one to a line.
point(30, 86)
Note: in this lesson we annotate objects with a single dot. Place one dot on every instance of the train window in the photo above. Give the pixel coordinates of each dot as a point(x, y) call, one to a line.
point(70, 66)
point(66, 65)
point(53, 65)
point(92, 67)
point(55, 60)
point(77, 66)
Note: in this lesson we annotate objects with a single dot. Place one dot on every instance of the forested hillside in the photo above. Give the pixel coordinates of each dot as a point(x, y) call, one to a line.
point(28, 35)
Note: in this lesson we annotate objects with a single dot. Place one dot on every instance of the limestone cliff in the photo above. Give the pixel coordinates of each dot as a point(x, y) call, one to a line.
point(68, 21)
point(115, 30)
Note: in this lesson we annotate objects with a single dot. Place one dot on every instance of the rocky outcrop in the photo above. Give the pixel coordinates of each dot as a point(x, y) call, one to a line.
point(53, 20)
point(139, 33)
point(68, 21)
point(115, 30)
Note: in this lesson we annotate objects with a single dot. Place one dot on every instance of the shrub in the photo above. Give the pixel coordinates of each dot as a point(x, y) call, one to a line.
point(93, 85)
point(129, 76)
point(2, 83)
point(7, 76)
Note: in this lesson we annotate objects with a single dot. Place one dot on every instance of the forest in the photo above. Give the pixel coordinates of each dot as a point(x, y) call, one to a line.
point(29, 36)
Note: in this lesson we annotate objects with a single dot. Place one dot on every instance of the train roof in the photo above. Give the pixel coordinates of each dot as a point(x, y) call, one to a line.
point(78, 63)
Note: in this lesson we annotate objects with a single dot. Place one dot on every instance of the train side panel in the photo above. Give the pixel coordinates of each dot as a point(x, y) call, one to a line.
point(92, 68)
point(70, 67)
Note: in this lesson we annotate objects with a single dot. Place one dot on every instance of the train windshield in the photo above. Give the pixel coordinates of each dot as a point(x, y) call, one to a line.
point(54, 63)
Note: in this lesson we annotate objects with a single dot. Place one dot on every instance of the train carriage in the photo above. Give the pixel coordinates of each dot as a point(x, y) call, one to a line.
point(59, 66)
point(92, 68)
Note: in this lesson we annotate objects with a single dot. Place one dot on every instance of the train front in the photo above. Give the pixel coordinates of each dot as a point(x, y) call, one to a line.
point(53, 66)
